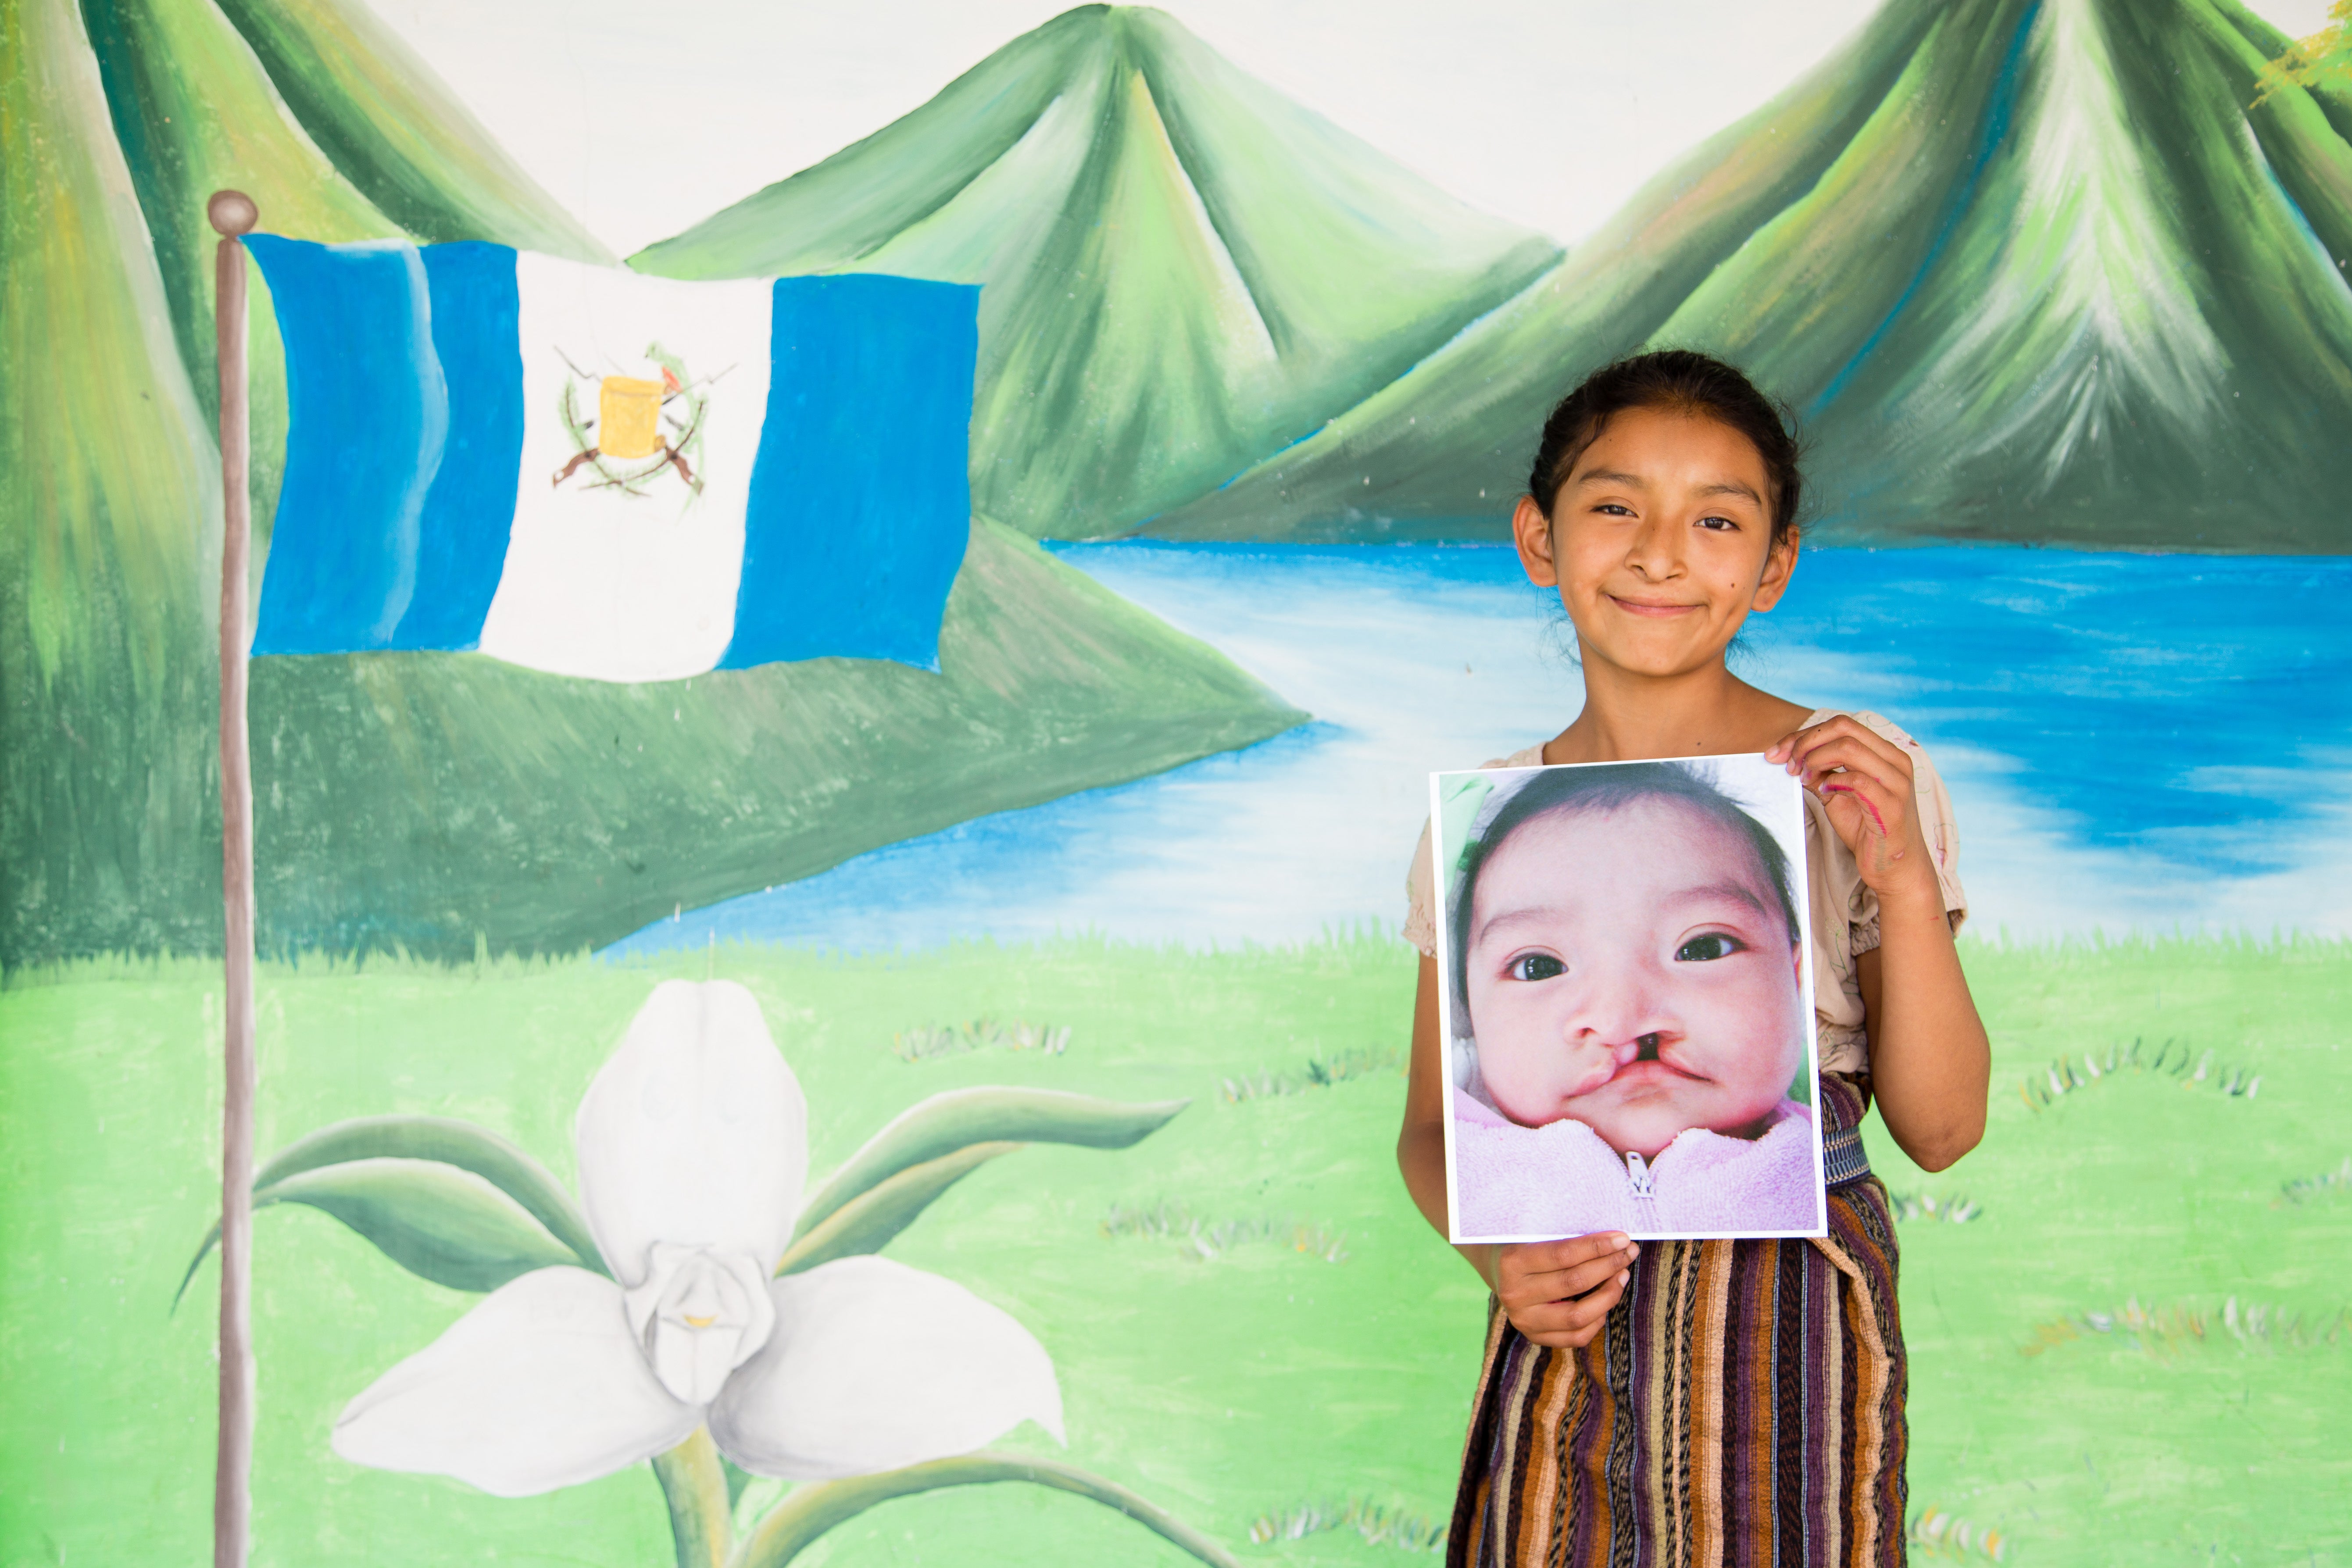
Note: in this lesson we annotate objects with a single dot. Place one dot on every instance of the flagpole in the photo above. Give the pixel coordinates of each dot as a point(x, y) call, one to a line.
point(233, 214)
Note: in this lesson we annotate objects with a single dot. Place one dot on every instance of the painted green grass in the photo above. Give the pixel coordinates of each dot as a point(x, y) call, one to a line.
point(1294, 1406)
point(2094, 1450)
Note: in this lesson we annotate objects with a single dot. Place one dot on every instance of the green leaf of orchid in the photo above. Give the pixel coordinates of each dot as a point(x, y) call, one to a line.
point(438, 1222)
point(868, 1222)
point(439, 1138)
point(945, 1123)
point(452, 1142)
point(808, 1511)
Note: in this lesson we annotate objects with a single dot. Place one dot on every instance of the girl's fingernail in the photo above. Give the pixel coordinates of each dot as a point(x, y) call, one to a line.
point(1622, 1276)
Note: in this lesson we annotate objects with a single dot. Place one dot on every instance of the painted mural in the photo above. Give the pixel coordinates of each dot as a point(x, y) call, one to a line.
point(1047, 969)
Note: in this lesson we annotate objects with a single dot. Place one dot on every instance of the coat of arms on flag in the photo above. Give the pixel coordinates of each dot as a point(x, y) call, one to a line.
point(742, 472)
point(632, 437)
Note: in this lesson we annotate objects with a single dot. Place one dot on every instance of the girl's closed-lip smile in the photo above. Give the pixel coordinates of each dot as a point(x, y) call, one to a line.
point(1648, 607)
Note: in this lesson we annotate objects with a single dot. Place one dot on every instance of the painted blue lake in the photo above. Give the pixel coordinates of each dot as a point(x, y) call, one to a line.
point(2148, 743)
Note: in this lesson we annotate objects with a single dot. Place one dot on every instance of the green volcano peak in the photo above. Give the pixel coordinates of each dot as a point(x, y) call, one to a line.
point(2028, 269)
point(1183, 270)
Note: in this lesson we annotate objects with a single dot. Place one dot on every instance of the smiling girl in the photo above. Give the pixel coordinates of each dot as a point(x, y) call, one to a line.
point(1722, 1402)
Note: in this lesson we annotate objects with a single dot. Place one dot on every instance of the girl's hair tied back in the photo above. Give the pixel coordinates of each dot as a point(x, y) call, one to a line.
point(1680, 381)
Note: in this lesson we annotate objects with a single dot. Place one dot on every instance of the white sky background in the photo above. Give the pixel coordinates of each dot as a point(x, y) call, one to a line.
point(644, 118)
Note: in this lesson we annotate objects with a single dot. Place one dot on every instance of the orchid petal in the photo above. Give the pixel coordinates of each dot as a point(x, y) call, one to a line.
point(539, 1387)
point(873, 1365)
point(694, 1134)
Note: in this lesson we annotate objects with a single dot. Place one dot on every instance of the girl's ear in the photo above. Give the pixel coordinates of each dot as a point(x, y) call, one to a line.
point(1532, 532)
point(1779, 565)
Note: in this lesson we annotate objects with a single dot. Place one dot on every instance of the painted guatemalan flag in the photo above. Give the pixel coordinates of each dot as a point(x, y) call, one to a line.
point(600, 474)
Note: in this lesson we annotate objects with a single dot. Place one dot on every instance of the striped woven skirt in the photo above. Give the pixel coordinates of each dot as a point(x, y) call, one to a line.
point(1742, 1405)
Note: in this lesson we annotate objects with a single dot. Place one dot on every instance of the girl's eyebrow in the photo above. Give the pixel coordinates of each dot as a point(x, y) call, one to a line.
point(1616, 476)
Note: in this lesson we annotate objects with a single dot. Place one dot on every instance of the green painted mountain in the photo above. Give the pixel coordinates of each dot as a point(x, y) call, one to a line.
point(416, 799)
point(305, 104)
point(1183, 271)
point(110, 504)
point(2029, 270)
point(116, 118)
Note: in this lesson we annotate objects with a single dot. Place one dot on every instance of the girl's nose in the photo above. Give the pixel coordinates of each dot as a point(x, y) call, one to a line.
point(1653, 554)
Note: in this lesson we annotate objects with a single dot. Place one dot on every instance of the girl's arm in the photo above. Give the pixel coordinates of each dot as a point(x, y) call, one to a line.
point(1555, 1292)
point(1930, 1063)
point(1421, 1146)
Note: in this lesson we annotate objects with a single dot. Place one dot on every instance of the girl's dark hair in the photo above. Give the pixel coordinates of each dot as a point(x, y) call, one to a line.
point(1601, 789)
point(1677, 381)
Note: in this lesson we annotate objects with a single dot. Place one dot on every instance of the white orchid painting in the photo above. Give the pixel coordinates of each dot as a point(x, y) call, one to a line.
point(695, 1309)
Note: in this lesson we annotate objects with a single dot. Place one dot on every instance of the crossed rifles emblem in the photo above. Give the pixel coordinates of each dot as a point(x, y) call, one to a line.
point(640, 429)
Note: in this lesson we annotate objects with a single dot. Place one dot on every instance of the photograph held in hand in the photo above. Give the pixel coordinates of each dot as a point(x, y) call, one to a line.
point(1629, 993)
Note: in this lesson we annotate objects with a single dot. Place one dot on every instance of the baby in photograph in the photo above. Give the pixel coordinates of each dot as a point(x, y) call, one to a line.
point(1629, 1013)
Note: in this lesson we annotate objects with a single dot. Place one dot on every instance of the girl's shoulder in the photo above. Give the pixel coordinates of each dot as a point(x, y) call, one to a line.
point(1879, 724)
point(1420, 877)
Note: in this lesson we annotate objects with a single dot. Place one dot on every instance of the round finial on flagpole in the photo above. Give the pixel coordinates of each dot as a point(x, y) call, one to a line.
point(232, 212)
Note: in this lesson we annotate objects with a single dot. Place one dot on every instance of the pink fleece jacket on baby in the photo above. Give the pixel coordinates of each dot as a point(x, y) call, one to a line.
point(1561, 1179)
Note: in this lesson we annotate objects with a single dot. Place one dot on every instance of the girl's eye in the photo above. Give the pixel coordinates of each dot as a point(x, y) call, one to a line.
point(1613, 510)
point(1719, 524)
point(1709, 947)
point(1533, 966)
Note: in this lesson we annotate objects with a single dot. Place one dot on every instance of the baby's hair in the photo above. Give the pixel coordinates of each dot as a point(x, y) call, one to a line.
point(1675, 381)
point(1603, 789)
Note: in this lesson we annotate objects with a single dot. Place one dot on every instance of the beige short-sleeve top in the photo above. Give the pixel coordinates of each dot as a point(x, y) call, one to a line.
point(1845, 912)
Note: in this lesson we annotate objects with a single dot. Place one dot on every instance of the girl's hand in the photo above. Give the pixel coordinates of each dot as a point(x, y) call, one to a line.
point(1865, 783)
point(1556, 1292)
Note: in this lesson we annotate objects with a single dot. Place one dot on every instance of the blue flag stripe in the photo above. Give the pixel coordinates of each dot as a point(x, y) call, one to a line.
point(462, 542)
point(860, 506)
point(405, 436)
point(367, 415)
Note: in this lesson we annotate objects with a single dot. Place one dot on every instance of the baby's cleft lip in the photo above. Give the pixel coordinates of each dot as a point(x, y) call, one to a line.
point(1653, 1070)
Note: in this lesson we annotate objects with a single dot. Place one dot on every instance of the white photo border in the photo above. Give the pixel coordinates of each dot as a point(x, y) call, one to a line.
point(1783, 817)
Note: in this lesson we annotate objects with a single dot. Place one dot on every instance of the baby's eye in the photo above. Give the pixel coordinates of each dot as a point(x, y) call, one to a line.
point(1707, 947)
point(1533, 966)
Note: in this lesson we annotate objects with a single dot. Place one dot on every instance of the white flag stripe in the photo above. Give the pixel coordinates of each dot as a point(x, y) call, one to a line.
point(604, 583)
